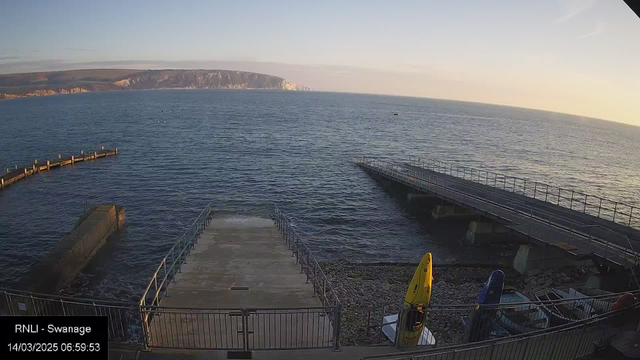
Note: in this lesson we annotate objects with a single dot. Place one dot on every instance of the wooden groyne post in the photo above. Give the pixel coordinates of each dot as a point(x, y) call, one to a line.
point(11, 177)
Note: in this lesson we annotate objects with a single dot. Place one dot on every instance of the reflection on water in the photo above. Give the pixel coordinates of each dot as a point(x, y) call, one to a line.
point(235, 149)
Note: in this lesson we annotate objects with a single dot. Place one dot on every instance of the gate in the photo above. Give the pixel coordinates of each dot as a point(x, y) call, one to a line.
point(241, 328)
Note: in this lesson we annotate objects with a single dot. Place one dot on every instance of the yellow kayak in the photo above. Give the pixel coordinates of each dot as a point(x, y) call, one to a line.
point(417, 299)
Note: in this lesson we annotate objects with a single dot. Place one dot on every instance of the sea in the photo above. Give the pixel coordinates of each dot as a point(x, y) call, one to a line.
point(240, 149)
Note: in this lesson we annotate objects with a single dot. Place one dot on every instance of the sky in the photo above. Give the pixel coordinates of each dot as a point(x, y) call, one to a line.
point(573, 56)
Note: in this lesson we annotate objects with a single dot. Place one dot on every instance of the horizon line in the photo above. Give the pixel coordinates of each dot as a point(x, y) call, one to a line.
point(317, 90)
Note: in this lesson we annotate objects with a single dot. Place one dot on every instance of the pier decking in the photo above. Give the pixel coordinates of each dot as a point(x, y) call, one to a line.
point(240, 261)
point(579, 233)
point(18, 173)
point(240, 288)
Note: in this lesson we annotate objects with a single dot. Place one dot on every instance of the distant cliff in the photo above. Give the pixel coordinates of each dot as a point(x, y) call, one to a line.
point(77, 81)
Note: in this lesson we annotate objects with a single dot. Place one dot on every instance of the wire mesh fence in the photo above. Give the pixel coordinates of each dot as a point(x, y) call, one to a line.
point(447, 325)
point(241, 328)
point(124, 318)
point(566, 342)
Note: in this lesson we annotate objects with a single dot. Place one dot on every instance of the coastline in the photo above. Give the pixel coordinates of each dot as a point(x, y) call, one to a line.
point(16, 96)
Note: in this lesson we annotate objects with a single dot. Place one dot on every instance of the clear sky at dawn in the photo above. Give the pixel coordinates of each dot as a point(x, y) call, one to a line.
point(580, 57)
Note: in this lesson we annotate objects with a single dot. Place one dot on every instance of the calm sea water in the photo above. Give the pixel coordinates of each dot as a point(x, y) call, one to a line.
point(235, 149)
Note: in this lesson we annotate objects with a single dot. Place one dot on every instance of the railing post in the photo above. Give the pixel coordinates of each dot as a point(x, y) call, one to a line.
point(524, 189)
point(558, 197)
point(571, 202)
point(145, 327)
point(586, 197)
point(399, 340)
point(245, 329)
point(530, 219)
point(324, 290)
point(9, 303)
point(294, 247)
point(336, 327)
point(589, 243)
point(166, 291)
point(535, 189)
point(615, 209)
point(599, 207)
point(546, 192)
point(630, 215)
point(155, 282)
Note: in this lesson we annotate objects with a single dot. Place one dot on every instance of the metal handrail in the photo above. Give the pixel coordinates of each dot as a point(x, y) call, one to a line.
point(176, 256)
point(508, 201)
point(41, 296)
point(170, 265)
point(513, 184)
point(313, 272)
point(509, 205)
point(513, 338)
point(308, 263)
point(458, 307)
point(163, 307)
point(124, 318)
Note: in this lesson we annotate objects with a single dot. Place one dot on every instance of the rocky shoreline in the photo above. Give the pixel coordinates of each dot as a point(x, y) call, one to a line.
point(369, 291)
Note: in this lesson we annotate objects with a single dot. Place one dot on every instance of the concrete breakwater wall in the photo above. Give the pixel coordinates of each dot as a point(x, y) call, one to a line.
point(11, 176)
point(75, 250)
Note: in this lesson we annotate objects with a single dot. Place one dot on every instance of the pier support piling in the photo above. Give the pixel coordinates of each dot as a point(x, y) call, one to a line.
point(451, 212)
point(531, 257)
point(480, 233)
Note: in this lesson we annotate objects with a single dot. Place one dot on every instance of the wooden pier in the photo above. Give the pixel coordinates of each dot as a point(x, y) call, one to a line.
point(581, 235)
point(19, 173)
